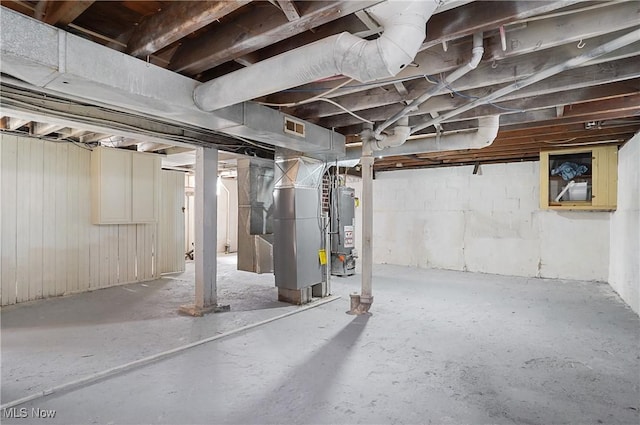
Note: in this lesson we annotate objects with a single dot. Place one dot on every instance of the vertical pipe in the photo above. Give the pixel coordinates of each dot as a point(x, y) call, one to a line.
point(327, 248)
point(366, 297)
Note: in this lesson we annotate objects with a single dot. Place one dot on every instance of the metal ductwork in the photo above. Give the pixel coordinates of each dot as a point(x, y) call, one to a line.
point(297, 224)
point(53, 61)
point(399, 135)
point(255, 215)
point(485, 135)
point(342, 54)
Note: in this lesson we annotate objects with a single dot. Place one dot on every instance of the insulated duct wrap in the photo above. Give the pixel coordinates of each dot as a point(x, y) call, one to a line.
point(342, 54)
point(482, 137)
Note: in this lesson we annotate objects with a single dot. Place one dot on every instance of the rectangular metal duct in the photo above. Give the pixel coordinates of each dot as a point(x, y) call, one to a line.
point(255, 215)
point(297, 222)
point(78, 69)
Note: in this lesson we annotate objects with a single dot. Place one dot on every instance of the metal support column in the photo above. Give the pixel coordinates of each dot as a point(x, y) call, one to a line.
point(206, 221)
point(366, 297)
point(360, 304)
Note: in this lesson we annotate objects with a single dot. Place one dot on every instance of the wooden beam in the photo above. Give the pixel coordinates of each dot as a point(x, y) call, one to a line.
point(16, 123)
point(62, 13)
point(289, 9)
point(570, 131)
point(39, 10)
point(581, 25)
point(348, 23)
point(367, 21)
point(402, 90)
point(19, 6)
point(176, 21)
point(248, 59)
point(42, 129)
point(434, 61)
point(475, 85)
point(482, 16)
point(91, 137)
point(615, 95)
point(517, 124)
point(540, 95)
point(630, 102)
point(254, 31)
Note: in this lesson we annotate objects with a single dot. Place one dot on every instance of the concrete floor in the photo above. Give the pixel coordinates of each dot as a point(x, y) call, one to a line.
point(441, 347)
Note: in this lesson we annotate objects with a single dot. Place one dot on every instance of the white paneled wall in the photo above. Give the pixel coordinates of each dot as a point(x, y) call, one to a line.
point(228, 215)
point(171, 225)
point(227, 218)
point(48, 245)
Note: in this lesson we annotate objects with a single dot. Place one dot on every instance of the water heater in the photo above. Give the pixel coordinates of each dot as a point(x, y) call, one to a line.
point(342, 214)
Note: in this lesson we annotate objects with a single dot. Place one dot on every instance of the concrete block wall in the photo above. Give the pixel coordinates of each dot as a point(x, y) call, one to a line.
point(489, 222)
point(624, 264)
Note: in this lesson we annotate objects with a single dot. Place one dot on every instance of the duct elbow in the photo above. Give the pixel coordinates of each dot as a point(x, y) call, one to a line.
point(404, 25)
point(487, 132)
point(399, 136)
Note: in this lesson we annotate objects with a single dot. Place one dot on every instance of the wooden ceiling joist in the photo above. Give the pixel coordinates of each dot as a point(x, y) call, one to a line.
point(254, 31)
point(595, 103)
point(289, 9)
point(176, 21)
point(42, 129)
point(62, 13)
point(478, 16)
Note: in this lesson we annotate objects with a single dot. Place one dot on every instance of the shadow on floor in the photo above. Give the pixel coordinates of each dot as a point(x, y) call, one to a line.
point(308, 384)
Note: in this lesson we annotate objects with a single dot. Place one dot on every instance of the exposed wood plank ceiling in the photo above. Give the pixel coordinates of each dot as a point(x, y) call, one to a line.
point(595, 103)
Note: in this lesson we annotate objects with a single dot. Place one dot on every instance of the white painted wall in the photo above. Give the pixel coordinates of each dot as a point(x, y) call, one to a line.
point(490, 222)
point(228, 214)
point(171, 228)
point(624, 265)
point(189, 203)
point(48, 245)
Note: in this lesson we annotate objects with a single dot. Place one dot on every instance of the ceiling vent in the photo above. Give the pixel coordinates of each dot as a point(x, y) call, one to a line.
point(293, 127)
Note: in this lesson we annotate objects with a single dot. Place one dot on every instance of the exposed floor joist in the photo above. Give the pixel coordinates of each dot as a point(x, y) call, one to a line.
point(208, 39)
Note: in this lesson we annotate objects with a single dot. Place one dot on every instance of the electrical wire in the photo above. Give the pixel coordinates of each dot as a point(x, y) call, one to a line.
point(353, 114)
point(309, 100)
point(118, 125)
point(85, 146)
point(476, 97)
point(355, 86)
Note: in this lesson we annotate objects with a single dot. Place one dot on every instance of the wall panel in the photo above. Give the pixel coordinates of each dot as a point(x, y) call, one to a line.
point(35, 213)
point(8, 202)
point(48, 245)
point(171, 227)
point(48, 220)
point(23, 206)
point(60, 226)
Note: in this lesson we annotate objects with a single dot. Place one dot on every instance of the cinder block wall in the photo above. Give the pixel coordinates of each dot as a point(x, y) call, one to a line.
point(624, 265)
point(490, 222)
